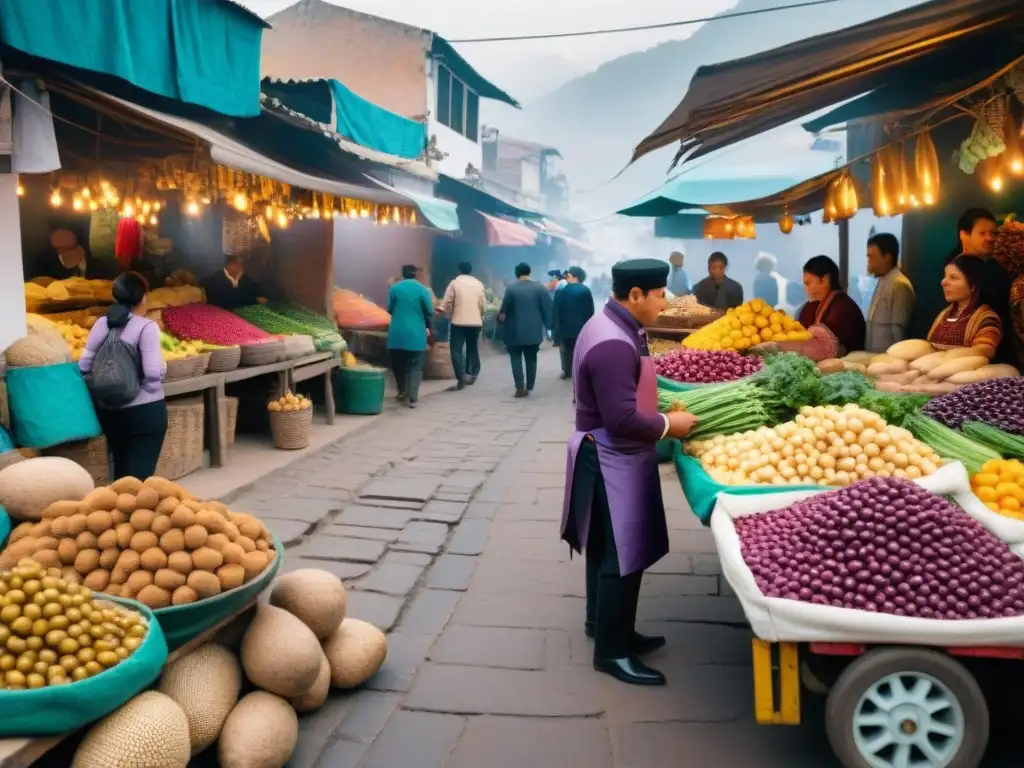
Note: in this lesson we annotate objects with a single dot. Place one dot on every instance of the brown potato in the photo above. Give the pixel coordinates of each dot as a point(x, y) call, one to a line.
point(144, 540)
point(23, 547)
point(62, 509)
point(195, 537)
point(67, 551)
point(118, 576)
point(58, 528)
point(211, 521)
point(70, 575)
point(109, 558)
point(42, 528)
point(262, 545)
point(138, 581)
point(76, 524)
point(129, 485)
point(126, 503)
point(232, 553)
point(167, 506)
point(154, 597)
point(161, 525)
point(251, 528)
point(107, 540)
point(153, 559)
point(147, 498)
point(218, 507)
point(207, 559)
point(231, 530)
point(99, 521)
point(142, 519)
point(129, 561)
point(182, 517)
point(254, 564)
point(48, 558)
point(47, 542)
point(124, 532)
point(180, 562)
point(88, 560)
point(172, 541)
point(217, 541)
point(230, 576)
point(183, 596)
point(204, 583)
point(97, 580)
point(118, 517)
point(167, 579)
point(87, 540)
point(192, 504)
point(99, 499)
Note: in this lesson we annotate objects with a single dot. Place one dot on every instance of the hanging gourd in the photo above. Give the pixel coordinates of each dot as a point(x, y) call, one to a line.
point(926, 169)
point(1013, 158)
point(830, 212)
point(881, 194)
point(786, 224)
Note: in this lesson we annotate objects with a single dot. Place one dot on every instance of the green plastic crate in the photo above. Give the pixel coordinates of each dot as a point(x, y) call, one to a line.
point(359, 391)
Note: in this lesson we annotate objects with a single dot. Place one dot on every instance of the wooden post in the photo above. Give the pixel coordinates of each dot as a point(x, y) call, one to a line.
point(844, 252)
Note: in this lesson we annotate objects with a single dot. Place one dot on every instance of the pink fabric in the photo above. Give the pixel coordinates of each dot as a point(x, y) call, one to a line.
point(502, 232)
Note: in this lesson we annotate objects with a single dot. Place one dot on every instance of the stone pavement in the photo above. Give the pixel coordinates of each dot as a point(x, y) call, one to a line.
point(443, 524)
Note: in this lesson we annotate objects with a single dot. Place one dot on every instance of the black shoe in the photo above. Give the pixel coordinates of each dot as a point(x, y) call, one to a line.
point(412, 403)
point(640, 644)
point(402, 397)
point(521, 393)
point(629, 670)
point(459, 386)
point(470, 380)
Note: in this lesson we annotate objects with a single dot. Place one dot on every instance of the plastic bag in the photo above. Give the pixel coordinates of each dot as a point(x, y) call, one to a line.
point(780, 620)
point(353, 311)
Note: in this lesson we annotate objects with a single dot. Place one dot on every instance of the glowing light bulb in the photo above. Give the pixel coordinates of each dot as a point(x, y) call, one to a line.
point(141, 219)
point(157, 206)
point(352, 214)
point(153, 221)
point(315, 213)
point(996, 183)
point(282, 220)
point(94, 206)
point(77, 203)
point(1017, 166)
point(55, 199)
point(412, 217)
point(21, 191)
point(241, 203)
point(129, 211)
point(365, 213)
point(86, 193)
point(396, 216)
point(146, 208)
point(269, 212)
point(206, 201)
point(192, 208)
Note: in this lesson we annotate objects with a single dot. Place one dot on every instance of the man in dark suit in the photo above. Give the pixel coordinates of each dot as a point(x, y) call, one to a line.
point(573, 306)
point(525, 316)
point(716, 290)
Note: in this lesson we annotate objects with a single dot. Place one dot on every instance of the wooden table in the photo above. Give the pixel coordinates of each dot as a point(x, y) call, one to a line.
point(660, 332)
point(22, 753)
point(289, 373)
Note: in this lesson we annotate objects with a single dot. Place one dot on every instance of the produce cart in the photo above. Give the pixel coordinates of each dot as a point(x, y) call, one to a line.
point(901, 690)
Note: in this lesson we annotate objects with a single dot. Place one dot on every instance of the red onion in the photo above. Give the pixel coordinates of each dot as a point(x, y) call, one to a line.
point(695, 366)
point(204, 322)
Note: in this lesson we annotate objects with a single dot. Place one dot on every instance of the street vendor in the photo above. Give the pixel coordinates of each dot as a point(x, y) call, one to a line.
point(830, 307)
point(613, 510)
point(967, 321)
point(231, 288)
point(717, 290)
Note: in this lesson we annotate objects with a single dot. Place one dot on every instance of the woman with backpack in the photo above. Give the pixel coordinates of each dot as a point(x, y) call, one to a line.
point(124, 367)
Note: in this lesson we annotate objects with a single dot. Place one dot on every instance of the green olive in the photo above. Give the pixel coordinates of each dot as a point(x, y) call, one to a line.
point(93, 668)
point(9, 613)
point(107, 659)
point(34, 643)
point(16, 645)
point(51, 594)
point(69, 645)
point(59, 622)
point(74, 614)
point(31, 587)
point(68, 663)
point(53, 609)
point(24, 664)
point(85, 655)
point(79, 673)
point(22, 625)
point(32, 610)
point(48, 655)
point(14, 677)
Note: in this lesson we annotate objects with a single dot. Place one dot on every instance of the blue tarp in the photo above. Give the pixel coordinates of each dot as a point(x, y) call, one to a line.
point(197, 51)
point(681, 194)
point(374, 127)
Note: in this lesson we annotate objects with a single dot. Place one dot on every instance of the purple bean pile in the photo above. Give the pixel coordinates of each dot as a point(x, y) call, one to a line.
point(696, 366)
point(884, 546)
point(999, 402)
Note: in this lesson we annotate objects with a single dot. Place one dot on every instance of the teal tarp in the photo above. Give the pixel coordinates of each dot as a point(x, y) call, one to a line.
point(441, 213)
point(376, 128)
point(204, 52)
point(683, 193)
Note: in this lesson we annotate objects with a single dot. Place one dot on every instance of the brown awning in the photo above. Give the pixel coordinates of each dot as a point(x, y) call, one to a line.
point(738, 99)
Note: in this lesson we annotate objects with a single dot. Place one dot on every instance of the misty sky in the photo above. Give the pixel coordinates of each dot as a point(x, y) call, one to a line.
point(490, 18)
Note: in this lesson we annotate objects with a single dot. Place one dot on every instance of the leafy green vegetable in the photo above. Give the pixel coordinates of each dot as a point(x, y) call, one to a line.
point(949, 443)
point(720, 410)
point(843, 387)
point(894, 408)
point(1009, 445)
point(788, 382)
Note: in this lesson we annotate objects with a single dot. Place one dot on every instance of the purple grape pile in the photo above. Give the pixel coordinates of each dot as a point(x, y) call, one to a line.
point(885, 546)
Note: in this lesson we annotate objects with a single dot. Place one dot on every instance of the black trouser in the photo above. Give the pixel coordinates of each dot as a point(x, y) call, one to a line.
point(465, 347)
point(135, 436)
point(611, 598)
point(519, 355)
point(565, 349)
point(408, 369)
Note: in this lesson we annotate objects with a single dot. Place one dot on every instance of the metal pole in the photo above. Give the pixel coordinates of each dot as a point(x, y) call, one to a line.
point(844, 252)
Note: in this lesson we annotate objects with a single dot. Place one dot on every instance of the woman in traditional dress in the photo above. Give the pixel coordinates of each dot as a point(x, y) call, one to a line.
point(966, 322)
point(829, 307)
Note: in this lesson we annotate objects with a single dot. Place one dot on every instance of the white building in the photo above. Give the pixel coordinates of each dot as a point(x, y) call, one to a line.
point(404, 69)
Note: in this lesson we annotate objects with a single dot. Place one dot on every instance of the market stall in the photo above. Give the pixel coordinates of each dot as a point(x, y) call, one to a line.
point(116, 594)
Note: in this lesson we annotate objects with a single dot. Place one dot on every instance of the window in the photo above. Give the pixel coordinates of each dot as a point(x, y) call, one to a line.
point(458, 107)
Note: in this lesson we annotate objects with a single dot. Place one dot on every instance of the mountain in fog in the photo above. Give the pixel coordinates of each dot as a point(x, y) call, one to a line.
point(597, 119)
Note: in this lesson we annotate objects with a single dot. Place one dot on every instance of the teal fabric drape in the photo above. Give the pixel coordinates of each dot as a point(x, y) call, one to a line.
point(441, 213)
point(204, 52)
point(374, 127)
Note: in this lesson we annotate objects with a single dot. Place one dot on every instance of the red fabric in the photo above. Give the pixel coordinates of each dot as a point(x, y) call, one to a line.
point(841, 315)
point(508, 233)
point(127, 243)
point(952, 333)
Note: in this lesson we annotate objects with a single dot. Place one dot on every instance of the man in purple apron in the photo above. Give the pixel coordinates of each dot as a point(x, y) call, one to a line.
point(613, 510)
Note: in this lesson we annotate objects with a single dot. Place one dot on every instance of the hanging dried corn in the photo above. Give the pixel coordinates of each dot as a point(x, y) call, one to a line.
point(926, 169)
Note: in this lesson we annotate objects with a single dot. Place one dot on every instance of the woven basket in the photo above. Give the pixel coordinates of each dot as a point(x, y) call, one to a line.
point(202, 365)
point(224, 360)
point(228, 422)
point(182, 368)
point(262, 354)
point(291, 430)
point(92, 454)
point(298, 346)
point(182, 452)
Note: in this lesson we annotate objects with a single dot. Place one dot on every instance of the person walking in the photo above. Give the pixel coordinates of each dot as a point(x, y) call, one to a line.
point(464, 302)
point(613, 510)
point(412, 312)
point(135, 421)
point(573, 307)
point(525, 316)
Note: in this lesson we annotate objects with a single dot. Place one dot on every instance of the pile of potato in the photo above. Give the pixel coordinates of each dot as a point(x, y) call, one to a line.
point(293, 652)
point(290, 402)
point(150, 541)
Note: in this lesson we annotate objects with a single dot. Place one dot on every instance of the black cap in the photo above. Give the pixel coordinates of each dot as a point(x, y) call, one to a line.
point(645, 274)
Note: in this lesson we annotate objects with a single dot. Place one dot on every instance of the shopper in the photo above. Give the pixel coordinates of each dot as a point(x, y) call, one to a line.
point(464, 302)
point(135, 430)
point(613, 510)
point(412, 312)
point(678, 280)
point(525, 316)
point(716, 290)
point(573, 306)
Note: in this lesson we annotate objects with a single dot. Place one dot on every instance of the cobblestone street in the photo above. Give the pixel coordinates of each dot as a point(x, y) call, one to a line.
point(443, 523)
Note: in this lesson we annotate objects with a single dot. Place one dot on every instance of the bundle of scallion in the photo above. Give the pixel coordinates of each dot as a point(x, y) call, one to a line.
point(949, 443)
point(1010, 446)
point(720, 410)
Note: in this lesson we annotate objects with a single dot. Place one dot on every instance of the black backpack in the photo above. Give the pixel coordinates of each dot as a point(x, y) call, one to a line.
point(115, 379)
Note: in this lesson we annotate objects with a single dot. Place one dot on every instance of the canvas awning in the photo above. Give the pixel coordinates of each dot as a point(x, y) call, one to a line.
point(441, 214)
point(503, 232)
point(685, 194)
point(738, 99)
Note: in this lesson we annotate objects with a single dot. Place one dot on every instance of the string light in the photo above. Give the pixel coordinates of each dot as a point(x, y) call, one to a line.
point(86, 193)
point(364, 213)
point(94, 206)
point(77, 203)
point(21, 190)
point(153, 221)
point(241, 202)
point(192, 208)
point(128, 211)
point(55, 199)
point(282, 220)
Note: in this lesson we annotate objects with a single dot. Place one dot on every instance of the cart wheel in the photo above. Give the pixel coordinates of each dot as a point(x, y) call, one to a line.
point(907, 708)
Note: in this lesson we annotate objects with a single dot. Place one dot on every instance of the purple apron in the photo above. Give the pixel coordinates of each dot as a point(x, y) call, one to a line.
point(630, 470)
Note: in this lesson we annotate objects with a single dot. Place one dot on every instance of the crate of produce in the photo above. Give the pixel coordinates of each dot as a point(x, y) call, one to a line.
point(224, 359)
point(182, 451)
point(91, 454)
point(291, 421)
point(359, 390)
